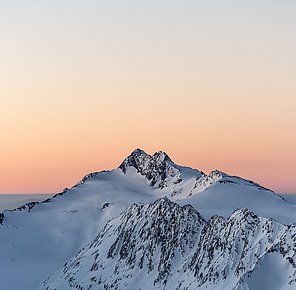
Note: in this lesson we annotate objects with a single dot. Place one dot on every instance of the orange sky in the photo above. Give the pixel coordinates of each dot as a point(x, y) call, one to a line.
point(84, 85)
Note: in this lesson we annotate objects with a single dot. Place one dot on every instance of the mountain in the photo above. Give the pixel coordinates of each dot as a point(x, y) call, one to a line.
point(165, 246)
point(37, 239)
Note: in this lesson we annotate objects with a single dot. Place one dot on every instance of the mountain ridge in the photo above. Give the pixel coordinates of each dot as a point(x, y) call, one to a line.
point(174, 245)
point(52, 232)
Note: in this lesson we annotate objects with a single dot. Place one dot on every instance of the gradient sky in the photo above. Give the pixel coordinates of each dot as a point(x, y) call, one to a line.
point(83, 83)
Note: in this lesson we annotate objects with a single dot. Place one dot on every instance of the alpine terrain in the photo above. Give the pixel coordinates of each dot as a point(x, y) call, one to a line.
point(151, 224)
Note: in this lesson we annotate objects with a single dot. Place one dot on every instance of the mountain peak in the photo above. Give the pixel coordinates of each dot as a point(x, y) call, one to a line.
point(138, 152)
point(162, 156)
point(140, 160)
point(156, 168)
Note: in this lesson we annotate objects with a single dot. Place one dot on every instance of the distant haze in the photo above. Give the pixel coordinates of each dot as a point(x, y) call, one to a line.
point(83, 83)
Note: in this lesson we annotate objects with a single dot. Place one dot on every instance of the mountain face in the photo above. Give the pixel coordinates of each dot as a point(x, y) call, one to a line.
point(151, 224)
point(165, 246)
point(159, 170)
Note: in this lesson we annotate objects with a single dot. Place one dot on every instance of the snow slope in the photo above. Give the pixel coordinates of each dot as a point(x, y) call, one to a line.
point(39, 238)
point(289, 197)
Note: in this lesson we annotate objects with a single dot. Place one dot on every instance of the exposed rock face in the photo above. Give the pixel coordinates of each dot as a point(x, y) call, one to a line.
point(28, 206)
point(158, 168)
point(1, 217)
point(166, 246)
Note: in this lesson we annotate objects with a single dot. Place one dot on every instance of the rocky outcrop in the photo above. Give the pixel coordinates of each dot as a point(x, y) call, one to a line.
point(158, 168)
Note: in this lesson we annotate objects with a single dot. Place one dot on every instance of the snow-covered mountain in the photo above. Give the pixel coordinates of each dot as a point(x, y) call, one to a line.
point(232, 228)
point(165, 246)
